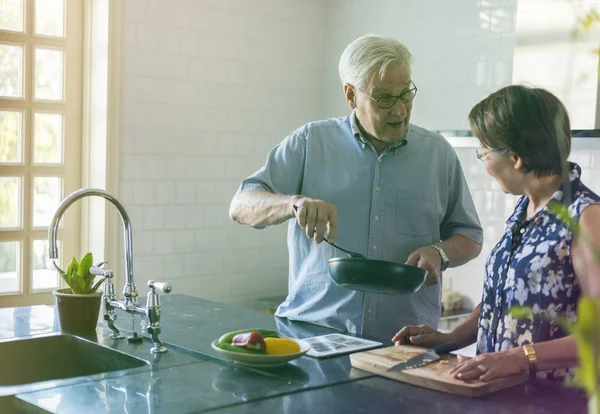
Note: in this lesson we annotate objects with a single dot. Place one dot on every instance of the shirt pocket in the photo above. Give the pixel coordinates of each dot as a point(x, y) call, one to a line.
point(415, 215)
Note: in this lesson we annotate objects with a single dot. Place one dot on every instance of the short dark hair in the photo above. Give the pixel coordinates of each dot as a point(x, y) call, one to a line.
point(529, 122)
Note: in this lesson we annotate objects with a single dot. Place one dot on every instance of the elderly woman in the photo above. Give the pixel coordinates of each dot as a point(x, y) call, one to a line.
point(538, 263)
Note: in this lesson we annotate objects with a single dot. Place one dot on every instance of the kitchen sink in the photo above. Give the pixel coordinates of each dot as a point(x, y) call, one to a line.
point(28, 360)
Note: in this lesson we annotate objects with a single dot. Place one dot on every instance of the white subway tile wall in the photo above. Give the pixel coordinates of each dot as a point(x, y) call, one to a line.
point(208, 89)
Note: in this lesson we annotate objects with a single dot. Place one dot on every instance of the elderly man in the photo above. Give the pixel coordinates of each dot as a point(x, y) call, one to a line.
point(373, 183)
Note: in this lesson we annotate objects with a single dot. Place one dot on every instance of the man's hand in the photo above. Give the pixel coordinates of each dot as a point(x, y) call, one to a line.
point(316, 217)
point(429, 259)
point(421, 335)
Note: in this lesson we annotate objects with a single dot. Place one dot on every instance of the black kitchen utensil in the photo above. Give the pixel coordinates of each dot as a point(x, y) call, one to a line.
point(375, 276)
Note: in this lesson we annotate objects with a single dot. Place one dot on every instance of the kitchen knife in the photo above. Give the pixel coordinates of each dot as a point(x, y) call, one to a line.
point(431, 355)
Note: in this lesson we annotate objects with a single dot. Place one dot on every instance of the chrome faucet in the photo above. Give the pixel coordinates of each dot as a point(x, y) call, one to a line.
point(130, 294)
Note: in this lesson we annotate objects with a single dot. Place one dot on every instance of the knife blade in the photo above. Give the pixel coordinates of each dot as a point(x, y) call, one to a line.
point(429, 356)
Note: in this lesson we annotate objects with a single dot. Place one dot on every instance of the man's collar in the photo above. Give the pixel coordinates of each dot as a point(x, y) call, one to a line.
point(358, 135)
point(355, 129)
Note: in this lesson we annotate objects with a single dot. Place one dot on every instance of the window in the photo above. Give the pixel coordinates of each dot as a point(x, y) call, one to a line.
point(547, 55)
point(41, 62)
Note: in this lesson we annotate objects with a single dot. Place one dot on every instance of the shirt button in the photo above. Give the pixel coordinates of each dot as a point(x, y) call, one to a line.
point(378, 189)
point(374, 247)
point(522, 231)
point(376, 218)
point(369, 310)
point(379, 160)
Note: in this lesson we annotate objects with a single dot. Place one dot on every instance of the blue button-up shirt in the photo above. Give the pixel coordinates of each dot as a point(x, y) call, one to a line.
point(388, 205)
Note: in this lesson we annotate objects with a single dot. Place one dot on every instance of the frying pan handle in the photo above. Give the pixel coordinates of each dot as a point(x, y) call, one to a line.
point(446, 348)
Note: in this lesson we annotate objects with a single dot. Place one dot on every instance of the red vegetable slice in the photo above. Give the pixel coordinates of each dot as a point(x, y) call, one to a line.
point(250, 340)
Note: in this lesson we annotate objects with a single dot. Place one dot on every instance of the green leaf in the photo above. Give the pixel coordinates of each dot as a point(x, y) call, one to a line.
point(71, 272)
point(73, 266)
point(587, 369)
point(76, 284)
point(563, 215)
point(87, 263)
point(588, 319)
point(84, 270)
point(566, 324)
point(520, 312)
point(62, 274)
point(97, 285)
point(587, 336)
point(586, 22)
point(58, 269)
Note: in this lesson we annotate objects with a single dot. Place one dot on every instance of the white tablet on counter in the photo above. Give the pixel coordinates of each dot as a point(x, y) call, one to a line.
point(335, 344)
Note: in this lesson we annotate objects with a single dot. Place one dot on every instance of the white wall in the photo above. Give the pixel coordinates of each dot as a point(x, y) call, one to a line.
point(208, 88)
point(462, 51)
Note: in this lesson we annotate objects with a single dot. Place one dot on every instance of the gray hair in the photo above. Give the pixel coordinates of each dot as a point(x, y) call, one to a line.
point(370, 55)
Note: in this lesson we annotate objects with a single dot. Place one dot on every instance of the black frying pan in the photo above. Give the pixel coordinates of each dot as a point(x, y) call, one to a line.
point(376, 276)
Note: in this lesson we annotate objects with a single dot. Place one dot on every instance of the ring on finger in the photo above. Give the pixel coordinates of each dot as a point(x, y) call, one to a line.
point(482, 368)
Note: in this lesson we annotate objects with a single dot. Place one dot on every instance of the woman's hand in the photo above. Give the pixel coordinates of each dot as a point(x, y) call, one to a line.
point(491, 366)
point(421, 335)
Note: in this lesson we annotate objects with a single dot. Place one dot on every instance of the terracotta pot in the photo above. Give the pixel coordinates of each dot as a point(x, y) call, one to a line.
point(77, 313)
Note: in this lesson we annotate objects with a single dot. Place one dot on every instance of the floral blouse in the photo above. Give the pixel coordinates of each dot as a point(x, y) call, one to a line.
point(531, 266)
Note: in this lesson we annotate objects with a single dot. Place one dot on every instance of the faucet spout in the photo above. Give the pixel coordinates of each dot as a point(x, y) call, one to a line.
point(129, 290)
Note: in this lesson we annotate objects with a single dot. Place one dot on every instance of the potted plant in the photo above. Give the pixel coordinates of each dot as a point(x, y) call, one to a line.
point(79, 304)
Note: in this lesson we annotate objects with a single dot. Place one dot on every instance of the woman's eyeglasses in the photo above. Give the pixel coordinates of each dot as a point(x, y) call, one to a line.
point(484, 152)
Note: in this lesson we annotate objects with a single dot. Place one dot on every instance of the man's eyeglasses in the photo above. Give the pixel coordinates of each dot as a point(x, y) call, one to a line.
point(386, 102)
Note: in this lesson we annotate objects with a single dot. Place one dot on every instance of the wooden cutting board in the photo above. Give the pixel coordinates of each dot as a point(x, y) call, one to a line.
point(433, 376)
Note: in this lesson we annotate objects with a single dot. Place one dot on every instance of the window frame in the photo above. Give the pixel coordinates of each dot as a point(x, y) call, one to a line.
point(70, 170)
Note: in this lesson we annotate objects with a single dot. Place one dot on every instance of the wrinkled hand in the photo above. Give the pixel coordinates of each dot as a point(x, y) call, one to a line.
point(429, 259)
point(491, 366)
point(316, 217)
point(421, 335)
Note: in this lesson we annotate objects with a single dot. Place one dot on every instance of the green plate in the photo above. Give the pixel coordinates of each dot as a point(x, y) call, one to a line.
point(262, 360)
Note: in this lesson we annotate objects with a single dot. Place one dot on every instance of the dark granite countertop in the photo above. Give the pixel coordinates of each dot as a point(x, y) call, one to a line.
point(192, 378)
